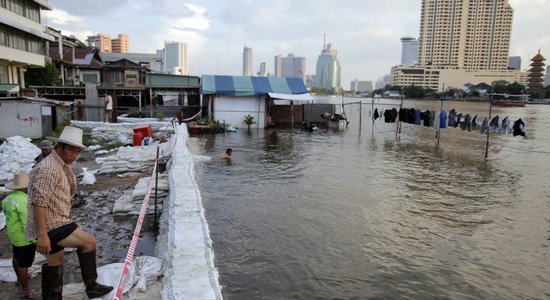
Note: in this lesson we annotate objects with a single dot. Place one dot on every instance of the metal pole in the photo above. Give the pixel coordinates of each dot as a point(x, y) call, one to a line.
point(156, 187)
point(489, 120)
point(360, 114)
point(151, 102)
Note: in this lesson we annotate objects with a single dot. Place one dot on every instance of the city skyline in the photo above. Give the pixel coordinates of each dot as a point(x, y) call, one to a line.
point(367, 34)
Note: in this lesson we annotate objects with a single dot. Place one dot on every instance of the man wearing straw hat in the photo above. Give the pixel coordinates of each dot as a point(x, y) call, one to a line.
point(15, 209)
point(52, 185)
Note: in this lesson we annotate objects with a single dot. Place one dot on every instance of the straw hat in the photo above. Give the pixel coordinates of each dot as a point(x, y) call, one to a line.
point(45, 144)
point(70, 136)
point(20, 181)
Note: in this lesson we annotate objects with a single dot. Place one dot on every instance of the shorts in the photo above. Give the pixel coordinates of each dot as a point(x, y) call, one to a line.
point(59, 234)
point(25, 255)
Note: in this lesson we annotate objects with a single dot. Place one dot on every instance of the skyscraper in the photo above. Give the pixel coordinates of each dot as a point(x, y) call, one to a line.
point(290, 66)
point(465, 34)
point(175, 58)
point(514, 62)
point(328, 71)
point(409, 51)
point(247, 62)
point(262, 71)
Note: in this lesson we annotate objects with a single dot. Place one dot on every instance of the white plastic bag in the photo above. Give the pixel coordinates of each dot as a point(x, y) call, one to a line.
point(87, 178)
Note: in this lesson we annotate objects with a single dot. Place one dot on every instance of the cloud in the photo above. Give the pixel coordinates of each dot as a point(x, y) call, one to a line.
point(62, 17)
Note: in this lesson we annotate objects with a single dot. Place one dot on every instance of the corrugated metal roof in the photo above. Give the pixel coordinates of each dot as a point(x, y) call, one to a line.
point(250, 86)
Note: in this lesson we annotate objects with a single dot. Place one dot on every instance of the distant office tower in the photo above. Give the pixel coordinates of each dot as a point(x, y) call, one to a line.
point(247, 62)
point(262, 71)
point(121, 44)
point(100, 41)
point(290, 66)
point(465, 34)
point(547, 76)
point(514, 62)
point(358, 86)
point(328, 71)
point(175, 58)
point(409, 51)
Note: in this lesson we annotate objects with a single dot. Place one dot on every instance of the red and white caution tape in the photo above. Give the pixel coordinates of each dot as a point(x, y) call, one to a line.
point(128, 261)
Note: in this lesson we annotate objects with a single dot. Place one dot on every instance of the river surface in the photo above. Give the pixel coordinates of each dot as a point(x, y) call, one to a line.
point(359, 214)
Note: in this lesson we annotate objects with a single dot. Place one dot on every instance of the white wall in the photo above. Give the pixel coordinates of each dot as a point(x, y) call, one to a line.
point(20, 118)
point(233, 109)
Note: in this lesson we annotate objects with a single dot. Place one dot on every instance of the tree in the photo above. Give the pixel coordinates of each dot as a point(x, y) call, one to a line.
point(547, 92)
point(47, 76)
point(516, 88)
point(500, 87)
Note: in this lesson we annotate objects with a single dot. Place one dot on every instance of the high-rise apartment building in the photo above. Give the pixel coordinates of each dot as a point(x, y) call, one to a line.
point(175, 58)
point(290, 66)
point(247, 62)
point(328, 71)
point(22, 39)
point(465, 34)
point(104, 43)
point(409, 51)
point(121, 44)
point(100, 41)
point(547, 76)
point(461, 41)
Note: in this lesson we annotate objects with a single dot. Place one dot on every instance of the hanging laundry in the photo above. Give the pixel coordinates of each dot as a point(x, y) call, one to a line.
point(443, 119)
point(505, 127)
point(484, 126)
point(376, 115)
point(519, 128)
point(417, 117)
point(426, 120)
point(457, 120)
point(432, 117)
point(474, 124)
point(494, 125)
point(452, 118)
point(468, 122)
point(437, 120)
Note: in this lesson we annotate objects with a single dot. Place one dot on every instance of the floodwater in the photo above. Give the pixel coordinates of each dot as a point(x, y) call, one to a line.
point(359, 214)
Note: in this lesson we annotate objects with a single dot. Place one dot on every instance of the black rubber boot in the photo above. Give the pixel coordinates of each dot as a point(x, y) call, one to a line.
point(52, 282)
point(89, 275)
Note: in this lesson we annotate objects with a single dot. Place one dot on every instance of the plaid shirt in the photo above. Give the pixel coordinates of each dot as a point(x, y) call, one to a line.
point(52, 184)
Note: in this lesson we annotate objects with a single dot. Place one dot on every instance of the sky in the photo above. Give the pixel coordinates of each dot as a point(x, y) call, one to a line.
point(366, 33)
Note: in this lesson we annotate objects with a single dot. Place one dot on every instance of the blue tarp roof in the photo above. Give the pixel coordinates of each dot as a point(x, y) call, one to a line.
point(250, 86)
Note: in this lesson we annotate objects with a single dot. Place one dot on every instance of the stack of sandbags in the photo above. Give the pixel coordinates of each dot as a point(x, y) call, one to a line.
point(130, 202)
point(129, 159)
point(17, 154)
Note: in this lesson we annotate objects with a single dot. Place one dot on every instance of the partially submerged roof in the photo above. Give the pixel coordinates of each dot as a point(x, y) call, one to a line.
point(251, 86)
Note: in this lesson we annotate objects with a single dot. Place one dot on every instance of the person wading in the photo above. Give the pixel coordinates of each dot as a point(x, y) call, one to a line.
point(52, 185)
point(15, 209)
